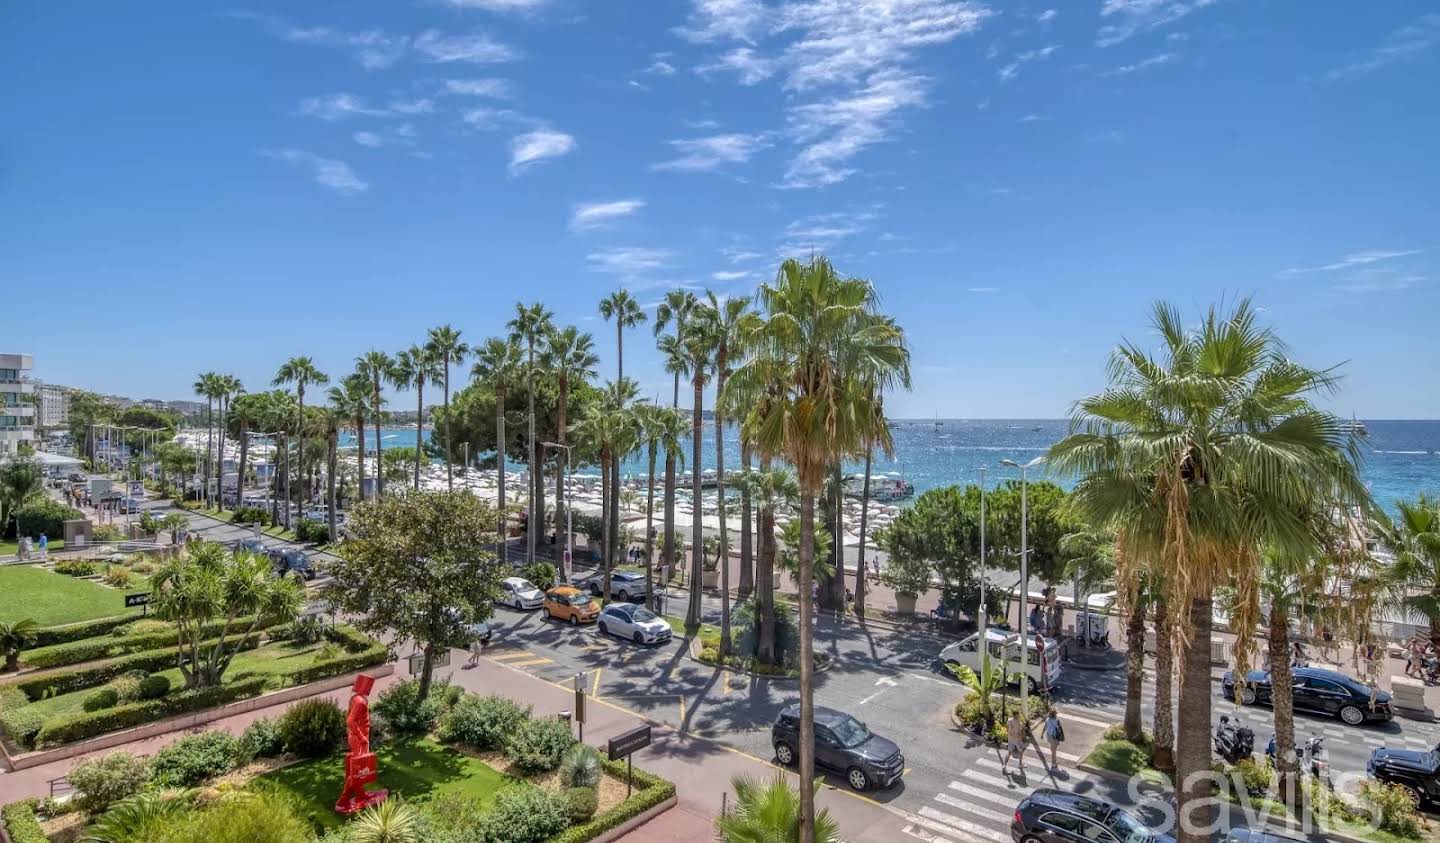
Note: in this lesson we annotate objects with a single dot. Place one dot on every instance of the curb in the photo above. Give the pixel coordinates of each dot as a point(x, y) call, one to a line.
point(694, 643)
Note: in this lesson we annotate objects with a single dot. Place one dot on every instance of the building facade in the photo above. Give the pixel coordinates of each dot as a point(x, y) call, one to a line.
point(53, 403)
point(17, 412)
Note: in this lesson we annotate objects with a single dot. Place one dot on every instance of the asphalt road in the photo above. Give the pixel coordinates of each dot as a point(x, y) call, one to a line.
point(953, 788)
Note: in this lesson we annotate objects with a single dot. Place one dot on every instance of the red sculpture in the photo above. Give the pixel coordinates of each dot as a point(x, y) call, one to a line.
point(360, 766)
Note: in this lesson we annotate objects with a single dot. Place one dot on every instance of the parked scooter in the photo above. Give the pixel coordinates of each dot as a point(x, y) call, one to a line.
point(1233, 741)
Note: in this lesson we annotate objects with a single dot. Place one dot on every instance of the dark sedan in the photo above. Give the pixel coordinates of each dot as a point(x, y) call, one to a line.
point(1417, 772)
point(1057, 816)
point(843, 744)
point(1318, 691)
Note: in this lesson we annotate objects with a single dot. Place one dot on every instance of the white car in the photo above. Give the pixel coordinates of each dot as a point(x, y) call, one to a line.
point(1042, 665)
point(637, 623)
point(520, 593)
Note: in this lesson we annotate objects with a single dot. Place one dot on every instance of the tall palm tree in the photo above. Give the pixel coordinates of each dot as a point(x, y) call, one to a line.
point(498, 363)
point(769, 488)
point(625, 311)
point(228, 386)
point(302, 372)
point(570, 356)
point(677, 363)
point(247, 412)
point(413, 367)
point(325, 423)
point(699, 341)
point(350, 401)
point(376, 367)
point(674, 309)
point(208, 387)
point(730, 325)
point(813, 323)
point(1200, 456)
point(445, 346)
point(610, 429)
point(530, 325)
point(282, 421)
point(1414, 538)
point(663, 427)
point(620, 396)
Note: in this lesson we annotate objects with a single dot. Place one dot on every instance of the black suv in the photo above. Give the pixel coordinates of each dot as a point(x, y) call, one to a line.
point(290, 561)
point(842, 743)
point(1055, 816)
point(1320, 691)
point(1417, 772)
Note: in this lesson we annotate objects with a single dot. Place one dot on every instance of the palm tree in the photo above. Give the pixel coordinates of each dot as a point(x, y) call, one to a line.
point(813, 323)
point(674, 309)
point(302, 372)
point(228, 386)
point(699, 341)
point(375, 366)
point(498, 364)
point(445, 346)
point(769, 487)
point(620, 396)
point(413, 367)
point(208, 386)
point(621, 307)
point(1414, 538)
point(876, 377)
point(610, 429)
point(730, 323)
point(773, 812)
point(663, 427)
point(351, 401)
point(247, 411)
point(14, 637)
point(570, 355)
point(282, 421)
point(530, 325)
point(676, 363)
point(1199, 457)
point(325, 422)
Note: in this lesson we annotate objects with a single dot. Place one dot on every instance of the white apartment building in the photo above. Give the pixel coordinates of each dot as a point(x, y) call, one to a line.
point(54, 405)
point(17, 414)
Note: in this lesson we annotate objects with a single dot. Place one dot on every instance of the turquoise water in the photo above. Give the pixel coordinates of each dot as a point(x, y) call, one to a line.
point(1401, 459)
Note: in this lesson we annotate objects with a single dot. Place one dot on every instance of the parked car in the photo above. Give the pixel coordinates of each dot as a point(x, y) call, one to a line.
point(1257, 835)
point(1317, 690)
point(253, 545)
point(127, 505)
point(1416, 771)
point(624, 585)
point(480, 631)
point(520, 593)
point(1042, 665)
point(567, 603)
point(1057, 816)
point(842, 743)
point(637, 623)
point(291, 561)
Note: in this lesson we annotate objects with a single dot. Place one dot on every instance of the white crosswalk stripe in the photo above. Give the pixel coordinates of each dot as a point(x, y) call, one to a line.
point(953, 824)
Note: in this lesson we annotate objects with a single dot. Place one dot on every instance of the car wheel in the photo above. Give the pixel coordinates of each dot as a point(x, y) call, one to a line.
point(517, 605)
point(624, 597)
point(594, 590)
point(1030, 838)
point(1248, 696)
point(1352, 715)
point(638, 638)
point(574, 620)
point(784, 753)
point(604, 630)
point(857, 778)
point(1415, 794)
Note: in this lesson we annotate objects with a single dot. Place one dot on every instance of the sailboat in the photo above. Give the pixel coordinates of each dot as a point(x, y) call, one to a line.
point(1357, 427)
point(938, 424)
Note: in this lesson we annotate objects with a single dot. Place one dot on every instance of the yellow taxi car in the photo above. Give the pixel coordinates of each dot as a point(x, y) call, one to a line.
point(568, 603)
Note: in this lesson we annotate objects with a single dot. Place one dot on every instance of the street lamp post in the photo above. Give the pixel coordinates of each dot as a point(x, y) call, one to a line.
point(1024, 577)
point(984, 615)
point(569, 514)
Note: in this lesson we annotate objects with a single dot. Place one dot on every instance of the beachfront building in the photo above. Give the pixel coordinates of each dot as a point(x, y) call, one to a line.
point(17, 413)
point(52, 403)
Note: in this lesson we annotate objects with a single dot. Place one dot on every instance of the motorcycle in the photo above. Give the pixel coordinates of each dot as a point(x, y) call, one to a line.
point(1234, 742)
point(1319, 760)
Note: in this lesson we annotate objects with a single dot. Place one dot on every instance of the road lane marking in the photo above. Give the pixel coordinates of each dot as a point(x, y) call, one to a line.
point(924, 835)
point(983, 813)
point(977, 793)
point(530, 662)
point(511, 654)
point(595, 686)
point(950, 824)
point(1069, 715)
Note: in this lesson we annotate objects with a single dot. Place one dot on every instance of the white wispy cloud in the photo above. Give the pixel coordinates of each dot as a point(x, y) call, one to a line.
point(1400, 45)
point(402, 135)
point(832, 131)
point(424, 105)
point(702, 124)
point(338, 107)
point(1379, 281)
point(475, 48)
point(1011, 70)
point(716, 20)
point(725, 276)
point(1125, 18)
point(1047, 15)
point(1152, 61)
point(629, 261)
point(747, 65)
point(590, 216)
point(699, 155)
point(1031, 118)
point(661, 67)
point(499, 5)
point(739, 255)
point(1352, 260)
point(533, 147)
point(981, 289)
point(494, 119)
point(329, 172)
point(493, 88)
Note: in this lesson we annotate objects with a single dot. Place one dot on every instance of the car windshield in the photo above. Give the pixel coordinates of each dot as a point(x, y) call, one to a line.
point(523, 585)
point(578, 599)
point(1128, 829)
point(851, 732)
point(643, 614)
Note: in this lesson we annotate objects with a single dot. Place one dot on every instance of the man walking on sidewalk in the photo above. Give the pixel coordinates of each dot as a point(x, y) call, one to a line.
point(1014, 742)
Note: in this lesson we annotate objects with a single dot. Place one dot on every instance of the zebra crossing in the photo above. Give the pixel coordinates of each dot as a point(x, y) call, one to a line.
point(979, 805)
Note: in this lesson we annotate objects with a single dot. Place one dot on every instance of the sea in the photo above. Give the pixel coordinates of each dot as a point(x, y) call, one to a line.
point(1401, 458)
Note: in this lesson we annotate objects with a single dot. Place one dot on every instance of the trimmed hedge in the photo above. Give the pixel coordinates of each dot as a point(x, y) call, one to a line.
point(373, 654)
point(109, 646)
point(21, 823)
point(44, 514)
point(66, 681)
point(64, 634)
point(81, 725)
point(650, 791)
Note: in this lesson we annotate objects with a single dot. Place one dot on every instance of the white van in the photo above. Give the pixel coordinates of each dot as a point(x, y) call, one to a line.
point(1042, 665)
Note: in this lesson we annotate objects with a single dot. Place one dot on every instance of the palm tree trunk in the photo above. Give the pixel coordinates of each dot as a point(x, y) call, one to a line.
point(531, 527)
point(1282, 700)
point(287, 482)
point(379, 454)
point(616, 545)
point(650, 529)
point(332, 441)
point(419, 424)
point(564, 458)
point(209, 446)
point(244, 455)
point(864, 523)
point(724, 551)
point(1192, 745)
point(692, 613)
point(275, 478)
point(449, 470)
point(304, 491)
point(606, 493)
point(747, 551)
point(667, 555)
point(1134, 666)
point(499, 464)
point(360, 453)
point(765, 585)
point(220, 461)
point(1163, 728)
point(807, 668)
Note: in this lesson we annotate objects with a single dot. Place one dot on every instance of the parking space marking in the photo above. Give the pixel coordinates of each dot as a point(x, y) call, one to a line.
point(530, 662)
point(505, 656)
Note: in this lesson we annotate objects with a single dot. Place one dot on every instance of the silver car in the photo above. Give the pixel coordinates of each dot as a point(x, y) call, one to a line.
point(637, 623)
point(519, 593)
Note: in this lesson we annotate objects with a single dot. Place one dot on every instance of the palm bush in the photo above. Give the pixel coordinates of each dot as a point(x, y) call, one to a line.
point(769, 812)
point(392, 821)
point(14, 637)
point(580, 767)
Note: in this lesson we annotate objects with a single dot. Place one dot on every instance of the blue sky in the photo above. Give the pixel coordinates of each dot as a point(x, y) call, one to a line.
point(224, 185)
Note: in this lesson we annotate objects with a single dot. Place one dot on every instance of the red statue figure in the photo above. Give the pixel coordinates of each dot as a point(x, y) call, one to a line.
point(360, 766)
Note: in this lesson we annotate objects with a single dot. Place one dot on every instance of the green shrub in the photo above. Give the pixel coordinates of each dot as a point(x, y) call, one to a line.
point(309, 530)
point(117, 577)
point(103, 698)
point(246, 816)
point(21, 823)
point(523, 815)
point(537, 745)
point(1393, 805)
point(22, 725)
point(75, 568)
point(195, 758)
point(541, 574)
point(251, 515)
point(149, 524)
point(582, 802)
point(262, 739)
point(154, 686)
point(580, 767)
point(108, 533)
point(1255, 778)
point(312, 728)
point(80, 678)
point(404, 713)
point(43, 514)
point(68, 728)
point(127, 685)
point(139, 818)
point(651, 790)
point(107, 779)
point(482, 722)
point(146, 626)
point(66, 633)
point(306, 630)
point(143, 567)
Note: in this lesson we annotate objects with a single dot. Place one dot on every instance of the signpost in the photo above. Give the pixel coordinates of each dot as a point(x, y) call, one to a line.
point(623, 745)
point(142, 600)
point(416, 661)
point(580, 704)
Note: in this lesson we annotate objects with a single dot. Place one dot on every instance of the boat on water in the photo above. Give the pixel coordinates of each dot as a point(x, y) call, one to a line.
point(1358, 427)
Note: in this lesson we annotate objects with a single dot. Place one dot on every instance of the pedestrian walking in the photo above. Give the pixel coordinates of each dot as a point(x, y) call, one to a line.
point(44, 546)
point(1014, 742)
point(1412, 657)
point(1054, 734)
point(476, 648)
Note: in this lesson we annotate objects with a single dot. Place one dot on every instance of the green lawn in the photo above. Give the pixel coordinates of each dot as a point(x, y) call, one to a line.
point(417, 770)
point(51, 599)
point(708, 634)
point(9, 548)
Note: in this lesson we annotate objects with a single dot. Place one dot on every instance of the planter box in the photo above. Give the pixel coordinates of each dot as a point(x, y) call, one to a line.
point(710, 579)
point(905, 604)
